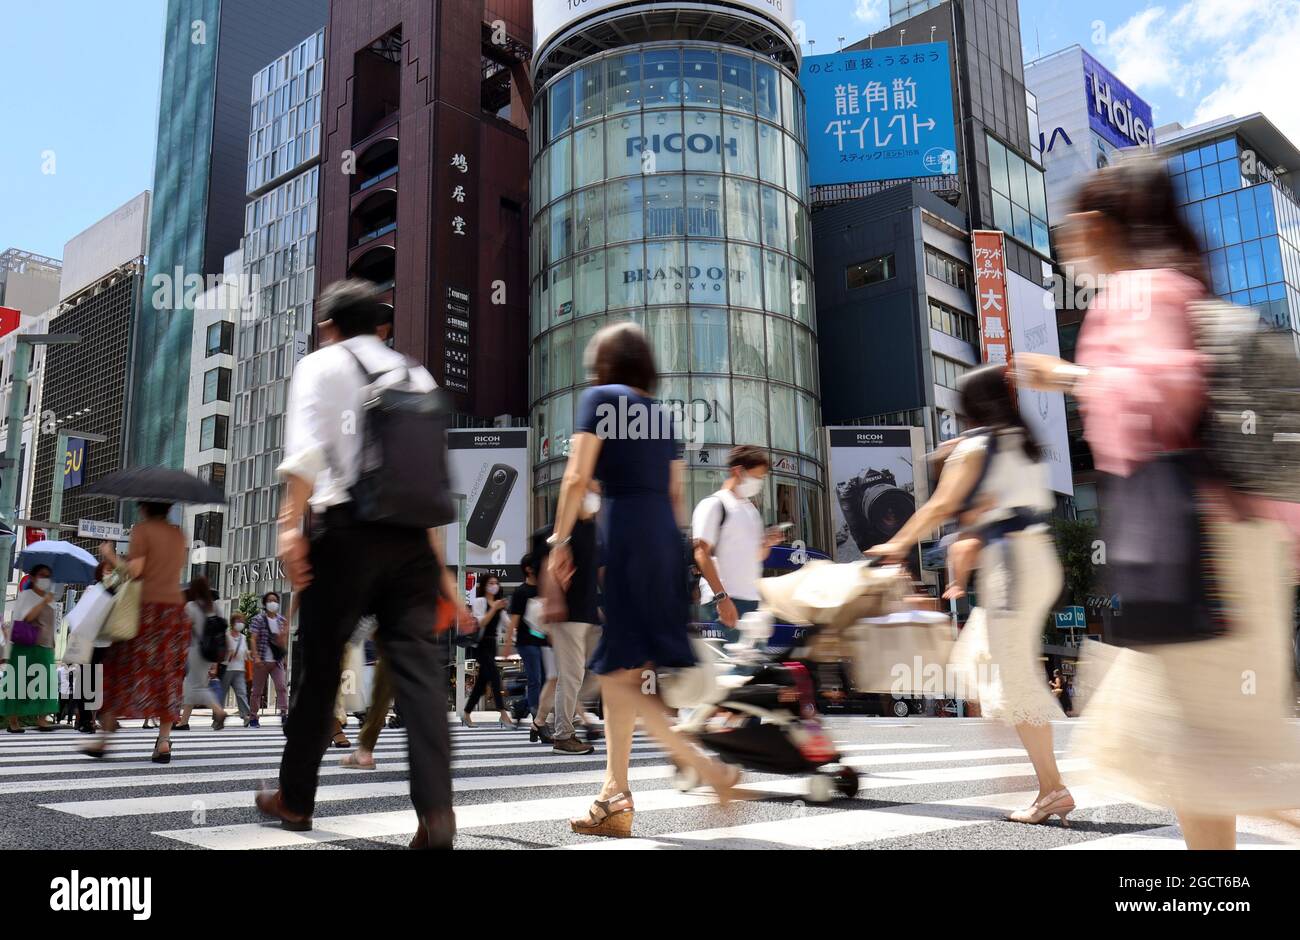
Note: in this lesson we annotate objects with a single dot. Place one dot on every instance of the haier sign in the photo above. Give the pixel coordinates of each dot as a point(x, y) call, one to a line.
point(1114, 112)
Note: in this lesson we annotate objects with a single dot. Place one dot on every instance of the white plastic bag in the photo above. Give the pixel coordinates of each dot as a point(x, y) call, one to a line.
point(85, 621)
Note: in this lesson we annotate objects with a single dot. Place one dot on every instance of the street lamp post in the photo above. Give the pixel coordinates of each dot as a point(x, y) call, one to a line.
point(23, 353)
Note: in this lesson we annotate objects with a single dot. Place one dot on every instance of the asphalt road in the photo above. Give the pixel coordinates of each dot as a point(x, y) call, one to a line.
point(926, 783)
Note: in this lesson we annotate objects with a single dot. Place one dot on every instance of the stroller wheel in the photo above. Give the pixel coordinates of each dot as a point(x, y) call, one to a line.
point(846, 781)
point(686, 779)
point(821, 788)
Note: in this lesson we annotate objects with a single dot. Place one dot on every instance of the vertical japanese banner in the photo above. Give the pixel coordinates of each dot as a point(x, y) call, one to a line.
point(991, 296)
point(455, 294)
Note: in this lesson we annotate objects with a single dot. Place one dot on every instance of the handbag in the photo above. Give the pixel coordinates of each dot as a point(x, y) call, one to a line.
point(124, 620)
point(24, 633)
point(85, 621)
point(1158, 570)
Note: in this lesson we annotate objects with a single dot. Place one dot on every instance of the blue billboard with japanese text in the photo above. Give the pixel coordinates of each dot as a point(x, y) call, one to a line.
point(880, 114)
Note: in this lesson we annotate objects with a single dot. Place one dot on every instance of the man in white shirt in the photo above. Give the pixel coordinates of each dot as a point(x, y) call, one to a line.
point(730, 543)
point(352, 568)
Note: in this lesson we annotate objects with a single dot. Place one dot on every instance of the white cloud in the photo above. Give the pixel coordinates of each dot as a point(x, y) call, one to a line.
point(1235, 56)
point(875, 13)
point(1259, 74)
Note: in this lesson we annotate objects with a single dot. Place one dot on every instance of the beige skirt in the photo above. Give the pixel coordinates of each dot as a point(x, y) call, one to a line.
point(1204, 727)
point(998, 659)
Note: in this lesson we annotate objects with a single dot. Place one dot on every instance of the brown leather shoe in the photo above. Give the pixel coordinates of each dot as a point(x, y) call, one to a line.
point(271, 803)
point(437, 831)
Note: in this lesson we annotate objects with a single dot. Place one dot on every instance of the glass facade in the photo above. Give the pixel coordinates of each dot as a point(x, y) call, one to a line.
point(280, 278)
point(669, 188)
point(1248, 228)
point(177, 234)
point(1019, 196)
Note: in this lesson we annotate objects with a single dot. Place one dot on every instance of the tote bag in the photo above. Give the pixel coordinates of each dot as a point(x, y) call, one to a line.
point(1157, 564)
point(85, 621)
point(124, 620)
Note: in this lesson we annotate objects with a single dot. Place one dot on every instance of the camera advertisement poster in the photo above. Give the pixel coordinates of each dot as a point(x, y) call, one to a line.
point(873, 485)
point(490, 467)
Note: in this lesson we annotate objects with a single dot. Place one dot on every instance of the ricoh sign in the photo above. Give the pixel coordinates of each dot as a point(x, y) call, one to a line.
point(552, 17)
point(1114, 112)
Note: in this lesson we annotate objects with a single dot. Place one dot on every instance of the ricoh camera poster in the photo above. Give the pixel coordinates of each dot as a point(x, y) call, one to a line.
point(490, 467)
point(873, 485)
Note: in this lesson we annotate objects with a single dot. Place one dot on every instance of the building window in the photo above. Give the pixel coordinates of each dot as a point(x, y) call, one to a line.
point(208, 528)
point(214, 473)
point(945, 319)
point(947, 268)
point(210, 570)
point(216, 385)
point(870, 272)
point(948, 371)
point(221, 337)
point(213, 433)
point(1019, 197)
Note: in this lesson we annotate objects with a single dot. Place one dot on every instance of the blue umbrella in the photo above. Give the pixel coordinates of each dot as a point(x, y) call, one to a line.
point(68, 564)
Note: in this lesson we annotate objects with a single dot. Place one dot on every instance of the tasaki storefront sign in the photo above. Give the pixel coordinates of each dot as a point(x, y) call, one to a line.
point(552, 17)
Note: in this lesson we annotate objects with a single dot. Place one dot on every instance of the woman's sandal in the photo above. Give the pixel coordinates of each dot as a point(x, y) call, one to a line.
point(354, 762)
point(601, 820)
point(723, 782)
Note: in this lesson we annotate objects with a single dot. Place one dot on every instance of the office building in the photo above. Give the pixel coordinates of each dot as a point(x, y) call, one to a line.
point(428, 125)
point(208, 424)
point(32, 426)
point(87, 384)
point(994, 181)
point(212, 49)
point(1235, 181)
point(278, 283)
point(670, 188)
point(29, 283)
point(1087, 116)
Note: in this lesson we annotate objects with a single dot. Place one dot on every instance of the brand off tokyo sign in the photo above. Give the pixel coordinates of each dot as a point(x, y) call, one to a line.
point(552, 17)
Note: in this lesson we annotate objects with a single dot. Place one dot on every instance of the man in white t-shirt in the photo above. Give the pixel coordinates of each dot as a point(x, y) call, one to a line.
point(730, 543)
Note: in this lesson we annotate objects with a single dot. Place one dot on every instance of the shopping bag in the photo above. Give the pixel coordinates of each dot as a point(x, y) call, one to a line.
point(905, 653)
point(352, 682)
point(124, 619)
point(85, 621)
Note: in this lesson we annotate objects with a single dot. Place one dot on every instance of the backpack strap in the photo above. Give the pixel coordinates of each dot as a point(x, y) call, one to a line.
point(990, 451)
point(373, 377)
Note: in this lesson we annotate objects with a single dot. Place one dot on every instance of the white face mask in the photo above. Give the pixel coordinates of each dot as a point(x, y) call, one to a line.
point(273, 608)
point(43, 583)
point(494, 589)
point(749, 487)
point(591, 503)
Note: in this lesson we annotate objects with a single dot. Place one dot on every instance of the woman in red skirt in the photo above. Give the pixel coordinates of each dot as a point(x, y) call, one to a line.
point(144, 676)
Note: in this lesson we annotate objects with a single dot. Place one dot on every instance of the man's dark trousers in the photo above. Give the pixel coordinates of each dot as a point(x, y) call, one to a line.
point(360, 568)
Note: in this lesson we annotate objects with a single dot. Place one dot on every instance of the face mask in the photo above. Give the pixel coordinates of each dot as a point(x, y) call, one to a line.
point(749, 487)
point(273, 608)
point(43, 583)
point(591, 503)
point(494, 589)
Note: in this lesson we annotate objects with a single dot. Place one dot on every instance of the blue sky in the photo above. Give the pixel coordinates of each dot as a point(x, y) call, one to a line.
point(80, 80)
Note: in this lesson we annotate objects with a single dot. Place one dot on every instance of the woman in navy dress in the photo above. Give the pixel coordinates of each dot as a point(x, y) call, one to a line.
point(630, 444)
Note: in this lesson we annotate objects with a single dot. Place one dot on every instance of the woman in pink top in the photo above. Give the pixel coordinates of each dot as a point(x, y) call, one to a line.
point(1199, 726)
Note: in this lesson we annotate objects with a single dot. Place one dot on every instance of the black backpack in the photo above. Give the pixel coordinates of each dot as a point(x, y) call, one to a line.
point(403, 479)
point(212, 642)
point(1250, 432)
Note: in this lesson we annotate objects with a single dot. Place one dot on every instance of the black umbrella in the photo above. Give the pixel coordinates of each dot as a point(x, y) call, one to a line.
point(155, 485)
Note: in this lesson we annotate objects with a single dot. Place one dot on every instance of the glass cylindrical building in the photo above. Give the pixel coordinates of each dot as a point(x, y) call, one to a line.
point(670, 188)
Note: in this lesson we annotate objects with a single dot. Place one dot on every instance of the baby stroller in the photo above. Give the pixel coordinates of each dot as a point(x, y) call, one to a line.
point(759, 710)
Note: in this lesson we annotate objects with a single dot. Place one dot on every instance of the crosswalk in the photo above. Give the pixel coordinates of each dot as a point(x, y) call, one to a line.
point(917, 788)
